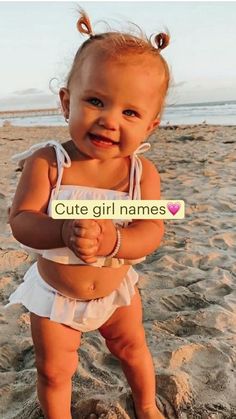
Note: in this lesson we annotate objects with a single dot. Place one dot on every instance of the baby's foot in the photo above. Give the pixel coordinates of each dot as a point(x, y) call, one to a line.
point(149, 413)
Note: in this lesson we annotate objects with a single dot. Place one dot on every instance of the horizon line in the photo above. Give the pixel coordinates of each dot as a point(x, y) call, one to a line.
point(57, 110)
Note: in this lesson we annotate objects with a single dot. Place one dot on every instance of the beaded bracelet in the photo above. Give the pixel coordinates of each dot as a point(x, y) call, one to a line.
point(117, 245)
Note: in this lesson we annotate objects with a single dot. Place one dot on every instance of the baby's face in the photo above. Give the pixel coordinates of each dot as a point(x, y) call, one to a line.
point(113, 104)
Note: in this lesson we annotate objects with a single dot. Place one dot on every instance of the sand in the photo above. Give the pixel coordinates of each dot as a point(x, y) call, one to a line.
point(188, 288)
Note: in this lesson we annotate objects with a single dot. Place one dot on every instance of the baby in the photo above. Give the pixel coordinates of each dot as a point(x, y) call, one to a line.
point(83, 279)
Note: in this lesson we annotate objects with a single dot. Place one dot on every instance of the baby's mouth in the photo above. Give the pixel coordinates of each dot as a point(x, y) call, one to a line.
point(101, 139)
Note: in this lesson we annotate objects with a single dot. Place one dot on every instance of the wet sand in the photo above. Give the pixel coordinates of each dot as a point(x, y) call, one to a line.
point(188, 288)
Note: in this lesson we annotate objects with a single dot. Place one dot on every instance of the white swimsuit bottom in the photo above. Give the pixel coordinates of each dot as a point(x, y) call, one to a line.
point(42, 299)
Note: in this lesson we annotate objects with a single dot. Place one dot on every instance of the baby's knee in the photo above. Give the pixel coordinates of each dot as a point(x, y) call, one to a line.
point(128, 350)
point(56, 372)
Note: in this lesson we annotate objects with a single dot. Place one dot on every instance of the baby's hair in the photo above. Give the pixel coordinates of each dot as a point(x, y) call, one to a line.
point(114, 44)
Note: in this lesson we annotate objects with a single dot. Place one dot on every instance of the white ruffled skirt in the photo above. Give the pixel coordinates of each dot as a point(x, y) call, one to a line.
point(42, 299)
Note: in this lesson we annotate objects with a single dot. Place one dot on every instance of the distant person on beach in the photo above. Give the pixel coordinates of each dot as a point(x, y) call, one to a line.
point(84, 279)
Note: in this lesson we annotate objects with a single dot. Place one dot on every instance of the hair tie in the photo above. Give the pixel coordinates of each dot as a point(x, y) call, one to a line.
point(162, 40)
point(84, 25)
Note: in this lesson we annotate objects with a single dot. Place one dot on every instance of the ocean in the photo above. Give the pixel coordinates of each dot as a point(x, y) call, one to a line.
point(216, 113)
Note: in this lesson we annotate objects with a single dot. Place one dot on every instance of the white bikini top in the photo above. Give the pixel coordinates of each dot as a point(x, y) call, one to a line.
point(63, 254)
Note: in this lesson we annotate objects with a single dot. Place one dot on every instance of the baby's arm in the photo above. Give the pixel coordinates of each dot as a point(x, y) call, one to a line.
point(28, 219)
point(141, 237)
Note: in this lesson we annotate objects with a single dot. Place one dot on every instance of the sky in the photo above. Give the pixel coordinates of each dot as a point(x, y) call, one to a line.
point(38, 41)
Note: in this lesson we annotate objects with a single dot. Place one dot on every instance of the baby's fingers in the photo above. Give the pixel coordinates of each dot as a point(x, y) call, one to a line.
point(87, 233)
point(87, 224)
point(87, 255)
point(84, 247)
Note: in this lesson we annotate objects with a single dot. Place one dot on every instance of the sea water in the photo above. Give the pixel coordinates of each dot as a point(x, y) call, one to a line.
point(216, 113)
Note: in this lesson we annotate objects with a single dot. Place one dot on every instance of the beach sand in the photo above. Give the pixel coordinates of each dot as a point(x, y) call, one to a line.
point(188, 288)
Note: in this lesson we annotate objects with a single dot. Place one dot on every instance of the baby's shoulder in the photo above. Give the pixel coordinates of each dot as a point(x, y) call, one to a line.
point(45, 153)
point(148, 167)
point(43, 160)
point(49, 152)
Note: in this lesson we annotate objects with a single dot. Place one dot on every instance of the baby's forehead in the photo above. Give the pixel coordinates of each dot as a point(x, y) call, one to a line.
point(126, 62)
point(145, 81)
point(140, 79)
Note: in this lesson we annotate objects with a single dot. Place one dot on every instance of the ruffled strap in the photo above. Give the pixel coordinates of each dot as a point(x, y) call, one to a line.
point(63, 158)
point(136, 171)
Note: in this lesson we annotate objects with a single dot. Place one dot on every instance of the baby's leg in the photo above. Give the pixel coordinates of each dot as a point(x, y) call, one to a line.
point(125, 338)
point(56, 361)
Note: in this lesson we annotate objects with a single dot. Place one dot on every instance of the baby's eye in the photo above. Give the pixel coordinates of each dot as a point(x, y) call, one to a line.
point(130, 112)
point(95, 101)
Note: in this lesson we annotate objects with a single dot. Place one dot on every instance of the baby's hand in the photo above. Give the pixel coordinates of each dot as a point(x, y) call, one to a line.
point(107, 238)
point(82, 237)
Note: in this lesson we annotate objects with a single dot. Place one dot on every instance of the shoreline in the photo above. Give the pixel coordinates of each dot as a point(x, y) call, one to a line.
point(188, 287)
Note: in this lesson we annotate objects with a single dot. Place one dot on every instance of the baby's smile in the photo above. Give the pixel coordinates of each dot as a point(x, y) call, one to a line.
point(101, 141)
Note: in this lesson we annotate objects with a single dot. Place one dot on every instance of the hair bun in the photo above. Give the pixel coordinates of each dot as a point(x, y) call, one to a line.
point(162, 40)
point(83, 25)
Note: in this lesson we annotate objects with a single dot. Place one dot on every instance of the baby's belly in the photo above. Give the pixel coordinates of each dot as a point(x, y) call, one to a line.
point(81, 281)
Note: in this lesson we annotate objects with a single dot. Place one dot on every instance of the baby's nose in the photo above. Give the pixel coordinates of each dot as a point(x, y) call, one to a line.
point(108, 120)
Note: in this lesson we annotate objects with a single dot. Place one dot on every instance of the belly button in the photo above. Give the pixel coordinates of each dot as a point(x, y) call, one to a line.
point(92, 287)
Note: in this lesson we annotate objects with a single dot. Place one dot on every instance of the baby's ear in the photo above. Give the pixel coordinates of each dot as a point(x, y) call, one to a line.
point(65, 101)
point(154, 124)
